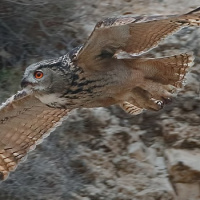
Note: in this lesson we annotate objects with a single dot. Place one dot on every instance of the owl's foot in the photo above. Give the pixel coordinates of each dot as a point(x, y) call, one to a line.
point(144, 100)
point(159, 91)
point(153, 104)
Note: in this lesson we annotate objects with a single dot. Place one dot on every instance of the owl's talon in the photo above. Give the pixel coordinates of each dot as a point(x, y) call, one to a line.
point(167, 100)
point(160, 103)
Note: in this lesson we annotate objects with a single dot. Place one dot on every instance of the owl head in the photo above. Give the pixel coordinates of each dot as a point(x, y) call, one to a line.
point(49, 76)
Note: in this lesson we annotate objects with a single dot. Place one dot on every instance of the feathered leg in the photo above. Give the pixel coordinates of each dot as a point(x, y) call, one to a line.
point(163, 76)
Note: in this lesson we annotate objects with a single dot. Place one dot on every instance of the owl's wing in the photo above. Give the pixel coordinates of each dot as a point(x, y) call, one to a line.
point(24, 122)
point(130, 36)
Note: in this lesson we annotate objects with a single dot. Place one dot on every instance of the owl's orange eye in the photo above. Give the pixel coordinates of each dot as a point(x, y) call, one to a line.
point(38, 74)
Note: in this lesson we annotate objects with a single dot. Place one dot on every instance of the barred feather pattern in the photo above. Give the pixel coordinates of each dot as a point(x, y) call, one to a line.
point(24, 123)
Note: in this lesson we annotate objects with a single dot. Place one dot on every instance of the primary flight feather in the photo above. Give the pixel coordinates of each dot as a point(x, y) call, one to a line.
point(105, 70)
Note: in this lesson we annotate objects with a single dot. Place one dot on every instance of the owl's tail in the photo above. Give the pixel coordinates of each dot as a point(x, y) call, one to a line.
point(167, 70)
point(163, 76)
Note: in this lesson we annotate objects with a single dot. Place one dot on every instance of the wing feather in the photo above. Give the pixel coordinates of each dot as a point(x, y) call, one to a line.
point(126, 37)
point(24, 122)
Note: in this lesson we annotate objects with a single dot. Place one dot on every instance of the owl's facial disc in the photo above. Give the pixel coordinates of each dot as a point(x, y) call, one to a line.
point(48, 76)
point(37, 77)
point(38, 74)
point(31, 78)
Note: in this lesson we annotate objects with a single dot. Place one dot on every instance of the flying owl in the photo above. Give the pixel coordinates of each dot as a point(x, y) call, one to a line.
point(106, 70)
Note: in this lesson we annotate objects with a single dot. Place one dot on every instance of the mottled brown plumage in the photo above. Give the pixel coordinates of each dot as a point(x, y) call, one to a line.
point(105, 70)
point(24, 122)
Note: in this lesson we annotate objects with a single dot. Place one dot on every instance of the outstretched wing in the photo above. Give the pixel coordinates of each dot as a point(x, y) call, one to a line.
point(130, 36)
point(24, 122)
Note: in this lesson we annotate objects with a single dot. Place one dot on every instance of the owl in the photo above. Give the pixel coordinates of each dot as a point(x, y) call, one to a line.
point(108, 69)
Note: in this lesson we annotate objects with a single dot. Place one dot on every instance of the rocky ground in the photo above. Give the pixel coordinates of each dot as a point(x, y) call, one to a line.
point(106, 154)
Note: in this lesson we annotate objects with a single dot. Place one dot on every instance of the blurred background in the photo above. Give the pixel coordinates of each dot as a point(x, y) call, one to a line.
point(102, 153)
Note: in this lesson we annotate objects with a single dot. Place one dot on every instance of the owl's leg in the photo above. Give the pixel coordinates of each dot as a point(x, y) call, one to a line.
point(158, 90)
point(143, 99)
point(130, 108)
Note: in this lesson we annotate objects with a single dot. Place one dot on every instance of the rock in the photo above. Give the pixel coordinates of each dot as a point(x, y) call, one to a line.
point(110, 183)
point(138, 151)
point(160, 164)
point(187, 191)
point(183, 165)
point(181, 134)
point(152, 194)
point(187, 143)
point(188, 106)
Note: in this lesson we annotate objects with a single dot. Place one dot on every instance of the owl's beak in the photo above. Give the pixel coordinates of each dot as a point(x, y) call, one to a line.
point(24, 83)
